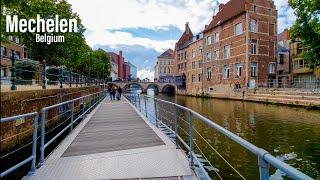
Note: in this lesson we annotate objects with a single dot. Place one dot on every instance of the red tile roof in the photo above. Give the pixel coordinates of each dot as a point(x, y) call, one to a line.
point(231, 9)
point(186, 37)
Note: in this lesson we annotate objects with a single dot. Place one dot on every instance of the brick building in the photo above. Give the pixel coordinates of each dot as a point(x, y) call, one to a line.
point(194, 69)
point(181, 57)
point(126, 72)
point(240, 46)
point(284, 64)
point(6, 52)
point(164, 69)
point(120, 62)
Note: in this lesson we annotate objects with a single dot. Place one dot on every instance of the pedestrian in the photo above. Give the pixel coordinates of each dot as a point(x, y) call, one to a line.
point(120, 92)
point(109, 90)
point(113, 93)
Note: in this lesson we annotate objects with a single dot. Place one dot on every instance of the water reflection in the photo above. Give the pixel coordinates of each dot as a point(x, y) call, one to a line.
point(291, 134)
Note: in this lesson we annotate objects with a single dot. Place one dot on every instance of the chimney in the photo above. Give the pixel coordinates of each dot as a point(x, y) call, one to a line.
point(120, 53)
point(205, 26)
point(187, 29)
point(221, 6)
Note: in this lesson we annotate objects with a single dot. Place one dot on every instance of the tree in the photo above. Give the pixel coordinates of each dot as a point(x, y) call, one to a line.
point(307, 28)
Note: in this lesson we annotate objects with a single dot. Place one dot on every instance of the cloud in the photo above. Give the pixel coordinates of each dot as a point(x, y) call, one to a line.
point(145, 73)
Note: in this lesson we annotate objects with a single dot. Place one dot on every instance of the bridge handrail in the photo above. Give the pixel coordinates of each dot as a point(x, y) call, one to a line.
point(43, 145)
point(265, 159)
point(33, 156)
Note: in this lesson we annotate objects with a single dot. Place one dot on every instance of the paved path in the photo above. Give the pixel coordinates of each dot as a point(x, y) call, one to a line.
point(115, 142)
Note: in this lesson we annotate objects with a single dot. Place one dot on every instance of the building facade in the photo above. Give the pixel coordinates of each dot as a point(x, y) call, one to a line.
point(164, 69)
point(119, 59)
point(126, 72)
point(13, 47)
point(181, 57)
point(240, 47)
point(284, 63)
point(302, 75)
point(114, 70)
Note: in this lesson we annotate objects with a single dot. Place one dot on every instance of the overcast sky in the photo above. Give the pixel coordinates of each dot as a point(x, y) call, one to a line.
point(143, 29)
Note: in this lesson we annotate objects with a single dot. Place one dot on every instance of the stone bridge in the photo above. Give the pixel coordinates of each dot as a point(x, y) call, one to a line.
point(144, 86)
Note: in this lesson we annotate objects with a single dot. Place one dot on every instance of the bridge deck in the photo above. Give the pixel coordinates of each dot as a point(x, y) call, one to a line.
point(115, 142)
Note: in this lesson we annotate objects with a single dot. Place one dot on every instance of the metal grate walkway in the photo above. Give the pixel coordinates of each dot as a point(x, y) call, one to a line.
point(115, 142)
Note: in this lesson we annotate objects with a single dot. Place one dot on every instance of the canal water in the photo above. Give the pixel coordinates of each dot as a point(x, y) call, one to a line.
point(291, 134)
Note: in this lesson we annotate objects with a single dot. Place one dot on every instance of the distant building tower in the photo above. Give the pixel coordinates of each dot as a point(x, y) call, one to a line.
point(119, 60)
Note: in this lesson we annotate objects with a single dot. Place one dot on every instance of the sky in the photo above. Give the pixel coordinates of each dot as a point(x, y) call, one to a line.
point(143, 29)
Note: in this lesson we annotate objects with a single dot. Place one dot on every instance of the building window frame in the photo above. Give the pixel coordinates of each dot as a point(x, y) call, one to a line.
point(254, 69)
point(272, 68)
point(216, 37)
point(208, 40)
point(209, 73)
point(238, 70)
point(239, 29)
point(254, 47)
point(227, 51)
point(226, 71)
point(253, 25)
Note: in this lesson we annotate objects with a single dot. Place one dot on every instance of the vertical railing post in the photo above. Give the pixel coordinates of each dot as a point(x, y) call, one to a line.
point(60, 77)
point(44, 75)
point(156, 112)
point(263, 168)
point(14, 73)
point(70, 78)
point(145, 105)
point(77, 79)
point(34, 145)
point(43, 128)
point(72, 115)
point(191, 139)
point(176, 124)
point(81, 80)
point(139, 102)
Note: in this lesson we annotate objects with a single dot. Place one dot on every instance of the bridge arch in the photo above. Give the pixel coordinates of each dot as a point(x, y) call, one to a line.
point(133, 85)
point(153, 86)
point(169, 88)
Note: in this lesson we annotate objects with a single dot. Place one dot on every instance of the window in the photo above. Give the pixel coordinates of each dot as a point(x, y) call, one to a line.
point(254, 69)
point(169, 71)
point(216, 37)
point(208, 56)
point(238, 70)
point(253, 25)
point(272, 68)
point(270, 12)
point(253, 46)
point(208, 40)
point(199, 77)
point(193, 65)
point(226, 72)
point(11, 52)
point(185, 55)
point(200, 49)
point(227, 51)
point(216, 54)
point(239, 29)
point(199, 64)
point(162, 70)
point(193, 78)
point(17, 40)
point(300, 63)
point(10, 38)
point(254, 8)
point(193, 53)
point(209, 73)
point(17, 55)
point(281, 58)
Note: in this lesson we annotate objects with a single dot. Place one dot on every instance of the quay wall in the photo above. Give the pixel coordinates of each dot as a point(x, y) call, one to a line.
point(17, 133)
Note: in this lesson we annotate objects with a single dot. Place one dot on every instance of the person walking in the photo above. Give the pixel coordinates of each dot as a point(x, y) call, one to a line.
point(120, 92)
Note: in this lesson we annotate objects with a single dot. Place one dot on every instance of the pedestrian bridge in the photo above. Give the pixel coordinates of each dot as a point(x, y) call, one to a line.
point(144, 86)
point(138, 137)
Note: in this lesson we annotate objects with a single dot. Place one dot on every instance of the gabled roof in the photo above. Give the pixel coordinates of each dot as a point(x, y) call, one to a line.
point(231, 9)
point(185, 38)
point(167, 54)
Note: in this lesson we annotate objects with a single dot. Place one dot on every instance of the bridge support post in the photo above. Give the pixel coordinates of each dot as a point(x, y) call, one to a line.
point(145, 105)
point(155, 112)
point(263, 168)
point(72, 115)
point(176, 124)
point(191, 139)
point(43, 128)
point(34, 145)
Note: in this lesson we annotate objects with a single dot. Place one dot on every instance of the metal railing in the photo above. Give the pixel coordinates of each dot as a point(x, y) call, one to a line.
point(67, 107)
point(149, 107)
point(33, 156)
point(293, 84)
point(27, 72)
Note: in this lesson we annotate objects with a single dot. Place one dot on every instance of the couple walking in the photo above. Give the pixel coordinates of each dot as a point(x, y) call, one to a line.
point(115, 93)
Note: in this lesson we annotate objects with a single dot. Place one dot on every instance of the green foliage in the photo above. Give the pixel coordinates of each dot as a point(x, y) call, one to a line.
point(307, 28)
point(74, 53)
